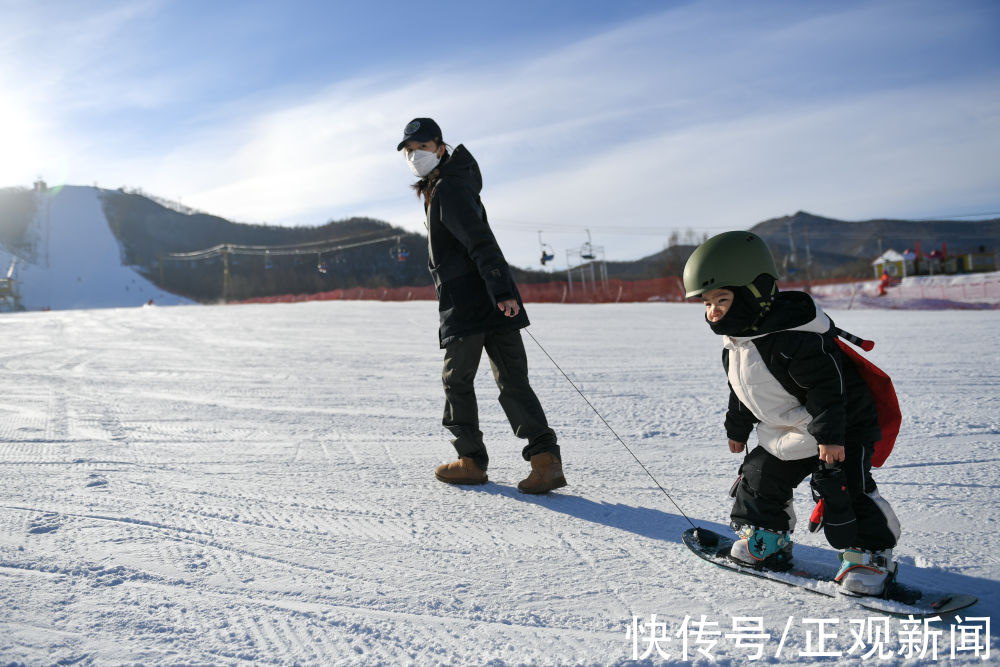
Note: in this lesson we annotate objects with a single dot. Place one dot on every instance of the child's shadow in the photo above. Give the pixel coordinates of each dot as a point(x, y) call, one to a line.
point(667, 527)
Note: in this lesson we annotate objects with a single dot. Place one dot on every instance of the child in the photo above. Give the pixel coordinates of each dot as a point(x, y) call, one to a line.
point(814, 414)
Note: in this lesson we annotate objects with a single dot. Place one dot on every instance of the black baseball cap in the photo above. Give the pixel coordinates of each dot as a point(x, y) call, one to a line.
point(420, 129)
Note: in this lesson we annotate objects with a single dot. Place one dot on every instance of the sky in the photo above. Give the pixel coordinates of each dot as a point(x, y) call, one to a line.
point(628, 120)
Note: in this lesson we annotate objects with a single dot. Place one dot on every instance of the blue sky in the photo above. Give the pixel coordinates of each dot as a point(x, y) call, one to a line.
point(630, 119)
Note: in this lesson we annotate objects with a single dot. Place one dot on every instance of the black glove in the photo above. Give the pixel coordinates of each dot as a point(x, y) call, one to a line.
point(839, 524)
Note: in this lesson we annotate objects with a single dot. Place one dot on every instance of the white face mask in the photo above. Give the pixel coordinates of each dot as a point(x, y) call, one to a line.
point(422, 162)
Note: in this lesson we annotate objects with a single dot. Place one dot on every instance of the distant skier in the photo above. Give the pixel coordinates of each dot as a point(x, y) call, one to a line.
point(884, 282)
point(814, 413)
point(480, 308)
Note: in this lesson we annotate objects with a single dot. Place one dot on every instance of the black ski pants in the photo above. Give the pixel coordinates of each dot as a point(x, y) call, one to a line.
point(856, 515)
point(509, 362)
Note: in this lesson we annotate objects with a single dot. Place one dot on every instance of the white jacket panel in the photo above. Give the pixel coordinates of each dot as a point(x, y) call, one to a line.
point(782, 430)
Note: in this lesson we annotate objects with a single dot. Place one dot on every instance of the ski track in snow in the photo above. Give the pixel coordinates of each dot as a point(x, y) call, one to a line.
point(253, 484)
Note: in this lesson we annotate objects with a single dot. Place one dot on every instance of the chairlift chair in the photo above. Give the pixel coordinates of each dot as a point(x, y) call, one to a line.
point(587, 250)
point(399, 252)
point(548, 254)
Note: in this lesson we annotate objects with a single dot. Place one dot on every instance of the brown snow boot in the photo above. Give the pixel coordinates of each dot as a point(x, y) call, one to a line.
point(462, 471)
point(546, 474)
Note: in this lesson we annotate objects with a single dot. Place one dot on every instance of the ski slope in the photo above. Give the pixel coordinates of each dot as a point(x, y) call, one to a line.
point(253, 485)
point(74, 260)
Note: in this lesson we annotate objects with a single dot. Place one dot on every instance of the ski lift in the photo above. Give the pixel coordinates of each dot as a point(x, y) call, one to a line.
point(399, 252)
point(320, 264)
point(268, 264)
point(548, 254)
point(587, 250)
point(790, 266)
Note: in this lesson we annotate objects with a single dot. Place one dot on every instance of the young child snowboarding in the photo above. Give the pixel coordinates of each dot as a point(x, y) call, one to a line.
point(480, 309)
point(813, 412)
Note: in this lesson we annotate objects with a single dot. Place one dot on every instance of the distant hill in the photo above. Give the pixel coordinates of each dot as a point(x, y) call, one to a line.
point(811, 247)
point(845, 249)
point(195, 255)
point(207, 258)
point(667, 262)
point(348, 253)
point(61, 254)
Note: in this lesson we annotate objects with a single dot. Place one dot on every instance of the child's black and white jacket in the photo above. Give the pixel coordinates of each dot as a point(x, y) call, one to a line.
point(791, 380)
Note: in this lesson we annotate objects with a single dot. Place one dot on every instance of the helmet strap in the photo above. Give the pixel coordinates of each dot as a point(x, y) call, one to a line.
point(763, 302)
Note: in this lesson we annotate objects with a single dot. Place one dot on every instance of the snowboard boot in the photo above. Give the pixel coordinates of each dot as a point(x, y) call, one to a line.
point(865, 572)
point(462, 471)
point(546, 474)
point(763, 549)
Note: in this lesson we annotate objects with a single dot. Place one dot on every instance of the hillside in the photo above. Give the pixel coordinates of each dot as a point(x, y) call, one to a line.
point(811, 247)
point(62, 255)
point(667, 262)
point(845, 249)
point(358, 252)
point(206, 258)
point(264, 259)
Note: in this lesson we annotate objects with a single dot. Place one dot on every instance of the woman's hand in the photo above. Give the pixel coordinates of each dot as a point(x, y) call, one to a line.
point(509, 307)
point(736, 447)
point(831, 453)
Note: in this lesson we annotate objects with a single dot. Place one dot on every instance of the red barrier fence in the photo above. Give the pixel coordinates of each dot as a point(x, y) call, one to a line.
point(423, 293)
point(978, 288)
point(611, 291)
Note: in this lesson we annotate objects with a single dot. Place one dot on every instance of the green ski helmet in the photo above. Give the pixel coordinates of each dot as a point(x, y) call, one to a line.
point(726, 260)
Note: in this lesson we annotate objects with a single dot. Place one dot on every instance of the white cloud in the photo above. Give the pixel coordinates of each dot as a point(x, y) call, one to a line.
point(696, 117)
point(915, 153)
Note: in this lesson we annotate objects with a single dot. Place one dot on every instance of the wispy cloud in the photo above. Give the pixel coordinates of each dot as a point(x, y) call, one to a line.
point(699, 116)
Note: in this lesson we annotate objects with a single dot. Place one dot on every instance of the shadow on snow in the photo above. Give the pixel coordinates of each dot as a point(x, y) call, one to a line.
point(664, 526)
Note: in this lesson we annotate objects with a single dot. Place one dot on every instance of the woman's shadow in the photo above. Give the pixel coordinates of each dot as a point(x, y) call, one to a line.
point(643, 521)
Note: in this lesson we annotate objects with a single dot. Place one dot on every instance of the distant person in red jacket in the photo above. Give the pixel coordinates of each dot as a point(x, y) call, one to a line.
point(884, 282)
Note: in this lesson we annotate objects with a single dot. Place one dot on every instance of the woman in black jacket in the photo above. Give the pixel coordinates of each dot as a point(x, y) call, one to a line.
point(480, 308)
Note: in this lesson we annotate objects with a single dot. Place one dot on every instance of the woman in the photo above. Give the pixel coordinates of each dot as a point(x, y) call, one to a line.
point(480, 308)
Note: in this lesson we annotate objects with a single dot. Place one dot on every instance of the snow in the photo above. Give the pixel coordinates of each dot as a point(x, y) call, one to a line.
point(968, 291)
point(75, 259)
point(253, 484)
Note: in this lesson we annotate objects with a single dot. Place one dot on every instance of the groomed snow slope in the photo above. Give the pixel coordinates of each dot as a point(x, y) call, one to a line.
point(253, 485)
point(76, 260)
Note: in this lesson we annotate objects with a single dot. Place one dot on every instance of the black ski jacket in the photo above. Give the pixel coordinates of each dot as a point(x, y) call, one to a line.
point(812, 368)
point(469, 270)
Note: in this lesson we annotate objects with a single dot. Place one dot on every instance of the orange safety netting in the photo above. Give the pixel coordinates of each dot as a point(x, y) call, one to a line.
point(611, 291)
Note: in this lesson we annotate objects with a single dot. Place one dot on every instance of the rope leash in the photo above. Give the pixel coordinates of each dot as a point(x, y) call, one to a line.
point(618, 437)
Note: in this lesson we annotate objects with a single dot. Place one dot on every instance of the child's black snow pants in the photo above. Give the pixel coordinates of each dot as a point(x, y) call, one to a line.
point(856, 515)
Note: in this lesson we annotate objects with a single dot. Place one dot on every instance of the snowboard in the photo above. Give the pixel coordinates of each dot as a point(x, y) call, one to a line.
point(899, 599)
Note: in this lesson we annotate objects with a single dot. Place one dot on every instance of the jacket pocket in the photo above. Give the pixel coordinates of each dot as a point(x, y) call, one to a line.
point(465, 299)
